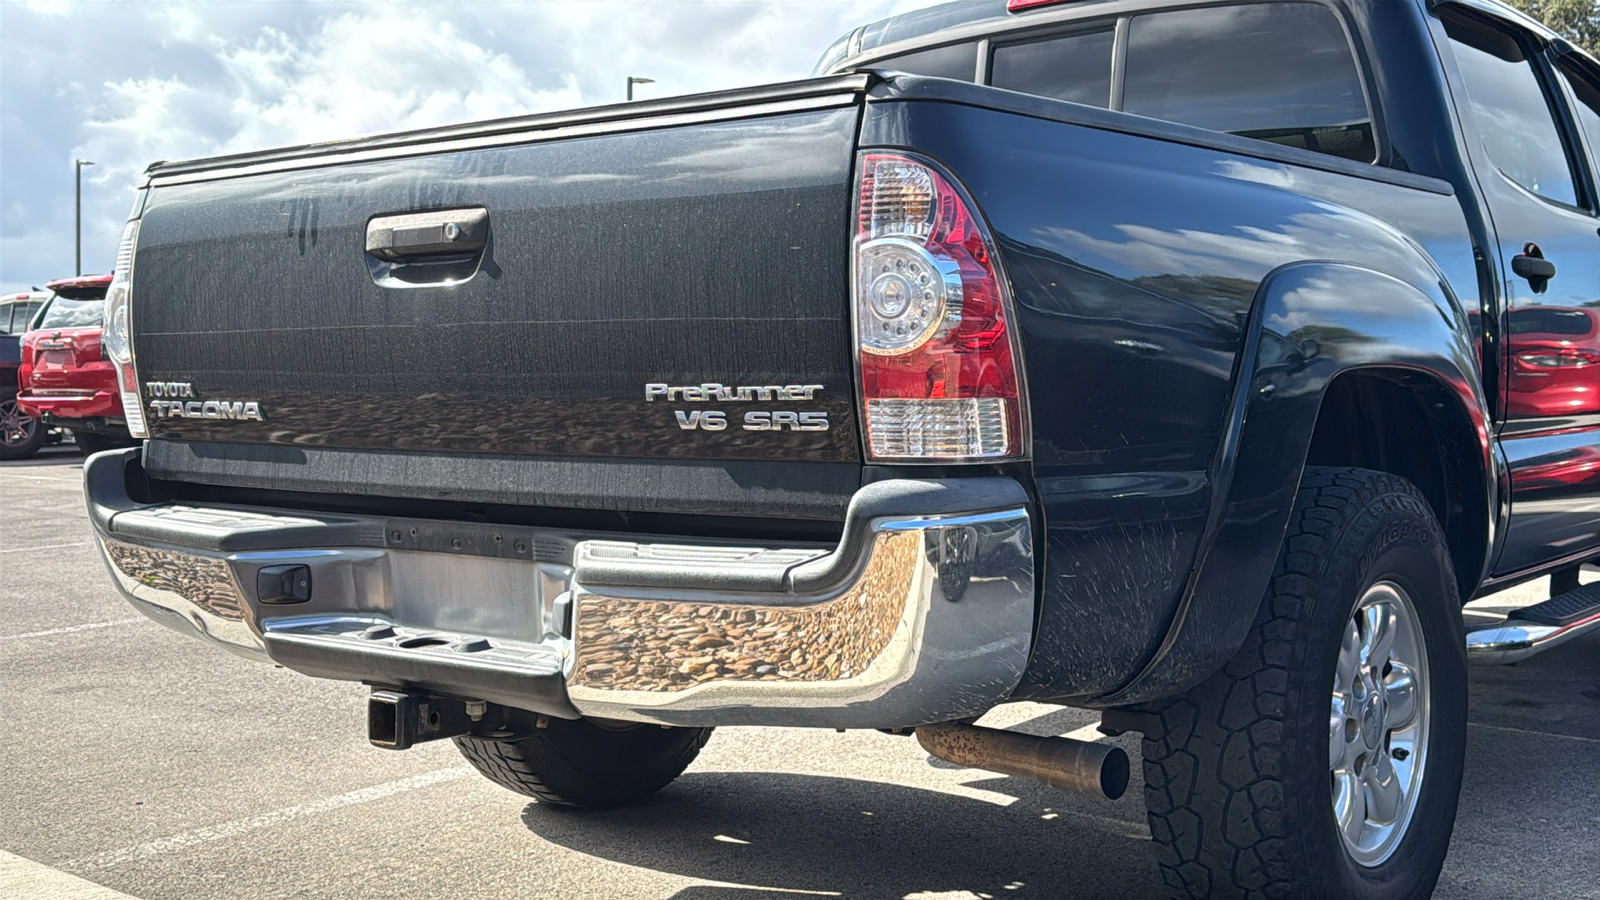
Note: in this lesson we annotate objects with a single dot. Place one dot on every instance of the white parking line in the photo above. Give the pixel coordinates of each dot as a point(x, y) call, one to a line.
point(24, 879)
point(77, 481)
point(45, 547)
point(237, 827)
point(71, 629)
point(1548, 734)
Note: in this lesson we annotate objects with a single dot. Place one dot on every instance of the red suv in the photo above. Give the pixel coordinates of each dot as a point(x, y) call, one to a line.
point(65, 377)
point(1555, 361)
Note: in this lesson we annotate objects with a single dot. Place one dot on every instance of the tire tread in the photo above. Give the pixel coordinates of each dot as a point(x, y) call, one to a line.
point(1234, 728)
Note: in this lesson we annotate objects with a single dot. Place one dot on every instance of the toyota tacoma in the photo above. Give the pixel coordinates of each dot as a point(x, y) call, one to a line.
point(1148, 356)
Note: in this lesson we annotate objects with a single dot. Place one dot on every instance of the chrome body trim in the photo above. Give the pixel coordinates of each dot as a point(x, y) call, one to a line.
point(934, 624)
point(1511, 641)
point(923, 613)
point(190, 594)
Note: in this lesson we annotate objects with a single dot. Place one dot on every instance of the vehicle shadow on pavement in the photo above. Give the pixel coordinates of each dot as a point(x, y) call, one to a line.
point(53, 457)
point(786, 835)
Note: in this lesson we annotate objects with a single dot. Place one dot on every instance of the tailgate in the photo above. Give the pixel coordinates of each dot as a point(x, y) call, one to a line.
point(64, 356)
point(659, 301)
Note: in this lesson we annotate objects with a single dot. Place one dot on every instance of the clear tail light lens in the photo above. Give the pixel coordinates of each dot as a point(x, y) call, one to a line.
point(116, 340)
point(933, 313)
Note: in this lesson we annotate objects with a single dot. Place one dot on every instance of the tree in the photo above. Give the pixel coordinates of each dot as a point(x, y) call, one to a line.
point(1577, 20)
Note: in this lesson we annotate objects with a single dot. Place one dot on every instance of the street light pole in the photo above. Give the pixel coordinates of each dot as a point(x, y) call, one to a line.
point(77, 213)
point(635, 79)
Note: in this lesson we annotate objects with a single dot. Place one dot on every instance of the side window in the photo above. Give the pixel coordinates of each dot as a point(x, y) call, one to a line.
point(1511, 110)
point(1074, 67)
point(958, 61)
point(1585, 106)
point(1279, 72)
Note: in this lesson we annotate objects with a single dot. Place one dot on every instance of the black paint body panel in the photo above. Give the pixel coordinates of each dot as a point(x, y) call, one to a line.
point(806, 490)
point(705, 253)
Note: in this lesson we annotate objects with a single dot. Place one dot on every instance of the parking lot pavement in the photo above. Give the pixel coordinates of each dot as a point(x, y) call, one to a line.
point(146, 763)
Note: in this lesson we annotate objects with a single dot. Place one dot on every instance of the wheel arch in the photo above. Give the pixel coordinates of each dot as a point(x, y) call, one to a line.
point(1406, 422)
point(1326, 333)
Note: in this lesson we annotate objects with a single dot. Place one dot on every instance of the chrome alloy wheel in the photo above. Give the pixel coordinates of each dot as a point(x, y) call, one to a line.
point(16, 428)
point(1378, 726)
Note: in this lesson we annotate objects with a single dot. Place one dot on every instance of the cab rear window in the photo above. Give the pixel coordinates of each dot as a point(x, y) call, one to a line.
point(67, 313)
point(958, 61)
point(1279, 72)
point(1074, 67)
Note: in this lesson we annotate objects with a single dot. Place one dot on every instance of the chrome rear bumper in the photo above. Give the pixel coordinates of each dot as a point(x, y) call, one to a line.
point(922, 613)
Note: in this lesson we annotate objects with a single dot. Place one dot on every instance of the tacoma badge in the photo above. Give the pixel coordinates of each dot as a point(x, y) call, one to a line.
point(177, 401)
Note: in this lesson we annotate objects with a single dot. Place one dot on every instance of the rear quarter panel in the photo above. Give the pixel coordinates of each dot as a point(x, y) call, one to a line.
point(1138, 266)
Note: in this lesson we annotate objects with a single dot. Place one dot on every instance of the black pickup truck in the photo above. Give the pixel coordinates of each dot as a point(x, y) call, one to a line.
point(1191, 361)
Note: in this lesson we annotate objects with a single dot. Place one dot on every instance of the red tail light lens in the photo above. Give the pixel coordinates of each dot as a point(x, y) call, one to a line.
point(1559, 358)
point(939, 374)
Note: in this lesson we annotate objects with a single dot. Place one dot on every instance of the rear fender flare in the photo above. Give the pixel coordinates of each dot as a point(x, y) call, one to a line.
point(1309, 323)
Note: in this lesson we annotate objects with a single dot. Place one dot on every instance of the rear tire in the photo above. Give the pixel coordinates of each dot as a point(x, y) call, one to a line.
point(21, 435)
point(1325, 759)
point(579, 763)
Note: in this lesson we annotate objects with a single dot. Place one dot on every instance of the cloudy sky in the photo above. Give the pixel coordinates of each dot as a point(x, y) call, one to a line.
point(125, 83)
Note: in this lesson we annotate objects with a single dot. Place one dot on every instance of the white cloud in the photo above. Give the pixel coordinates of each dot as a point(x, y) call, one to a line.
point(338, 84)
point(127, 83)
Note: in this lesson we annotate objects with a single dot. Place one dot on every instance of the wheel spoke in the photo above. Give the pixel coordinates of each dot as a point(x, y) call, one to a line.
point(1349, 804)
point(1377, 627)
point(1336, 741)
point(1349, 656)
point(1401, 688)
point(1383, 791)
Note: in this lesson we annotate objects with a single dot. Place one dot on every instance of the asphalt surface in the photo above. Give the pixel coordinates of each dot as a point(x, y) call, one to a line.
point(150, 764)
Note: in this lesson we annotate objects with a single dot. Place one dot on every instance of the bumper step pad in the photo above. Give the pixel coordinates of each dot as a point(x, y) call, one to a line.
point(512, 673)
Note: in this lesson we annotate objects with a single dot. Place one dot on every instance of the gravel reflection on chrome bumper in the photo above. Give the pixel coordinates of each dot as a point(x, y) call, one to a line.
point(664, 646)
point(188, 592)
point(922, 613)
point(934, 624)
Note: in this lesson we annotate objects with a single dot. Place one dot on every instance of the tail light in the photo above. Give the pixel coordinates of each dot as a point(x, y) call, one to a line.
point(1559, 358)
point(116, 339)
point(933, 313)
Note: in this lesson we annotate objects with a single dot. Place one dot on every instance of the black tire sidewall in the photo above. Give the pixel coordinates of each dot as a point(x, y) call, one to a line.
point(1395, 540)
point(579, 763)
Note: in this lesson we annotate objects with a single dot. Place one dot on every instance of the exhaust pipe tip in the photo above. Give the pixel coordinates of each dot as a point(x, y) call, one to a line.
point(1115, 772)
point(1064, 763)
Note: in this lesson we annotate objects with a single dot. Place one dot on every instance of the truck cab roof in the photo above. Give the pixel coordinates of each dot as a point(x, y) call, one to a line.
point(970, 19)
